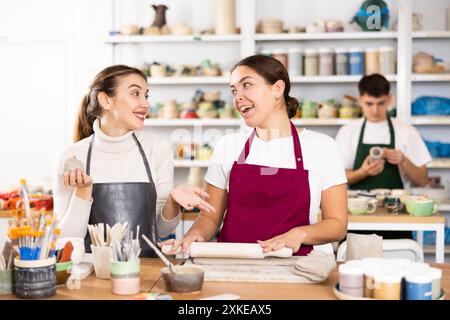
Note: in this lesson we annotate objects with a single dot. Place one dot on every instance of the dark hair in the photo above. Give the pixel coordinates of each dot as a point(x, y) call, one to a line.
point(374, 85)
point(105, 81)
point(272, 70)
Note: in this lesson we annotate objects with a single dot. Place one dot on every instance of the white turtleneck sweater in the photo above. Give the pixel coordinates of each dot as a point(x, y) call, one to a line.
point(114, 159)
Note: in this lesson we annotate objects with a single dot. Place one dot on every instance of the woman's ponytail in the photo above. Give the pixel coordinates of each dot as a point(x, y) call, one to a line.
point(84, 121)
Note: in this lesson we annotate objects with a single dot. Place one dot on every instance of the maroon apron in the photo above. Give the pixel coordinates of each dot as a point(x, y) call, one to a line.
point(265, 202)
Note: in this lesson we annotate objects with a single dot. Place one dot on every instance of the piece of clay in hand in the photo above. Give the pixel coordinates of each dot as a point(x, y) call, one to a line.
point(72, 163)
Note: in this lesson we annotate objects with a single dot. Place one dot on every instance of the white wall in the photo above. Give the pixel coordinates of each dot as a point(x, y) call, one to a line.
point(49, 51)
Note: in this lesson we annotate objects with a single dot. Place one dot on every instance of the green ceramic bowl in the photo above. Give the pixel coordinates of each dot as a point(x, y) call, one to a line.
point(62, 271)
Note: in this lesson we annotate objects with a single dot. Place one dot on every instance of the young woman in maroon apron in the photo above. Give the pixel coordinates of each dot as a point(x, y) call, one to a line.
point(271, 209)
point(120, 110)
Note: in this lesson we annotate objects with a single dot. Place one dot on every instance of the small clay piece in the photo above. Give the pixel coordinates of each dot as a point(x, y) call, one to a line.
point(181, 29)
point(73, 163)
point(130, 30)
point(165, 30)
point(151, 31)
point(425, 63)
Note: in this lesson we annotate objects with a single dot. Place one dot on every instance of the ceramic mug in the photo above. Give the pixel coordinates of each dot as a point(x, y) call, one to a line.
point(393, 204)
point(102, 261)
point(399, 193)
point(422, 207)
point(361, 205)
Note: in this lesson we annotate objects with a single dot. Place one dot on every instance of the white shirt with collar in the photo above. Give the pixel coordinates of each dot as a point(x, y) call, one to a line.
point(407, 140)
point(114, 159)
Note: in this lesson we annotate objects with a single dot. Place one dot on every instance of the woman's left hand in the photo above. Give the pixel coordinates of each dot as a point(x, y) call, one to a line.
point(292, 239)
point(190, 197)
point(393, 156)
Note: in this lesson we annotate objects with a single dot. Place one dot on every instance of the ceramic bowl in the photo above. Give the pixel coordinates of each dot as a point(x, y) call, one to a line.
point(62, 271)
point(186, 279)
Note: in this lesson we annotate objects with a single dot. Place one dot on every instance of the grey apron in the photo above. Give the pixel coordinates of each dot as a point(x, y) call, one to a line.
point(132, 202)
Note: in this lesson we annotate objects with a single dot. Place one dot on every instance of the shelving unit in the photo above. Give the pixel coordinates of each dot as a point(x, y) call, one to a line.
point(187, 80)
point(439, 163)
point(192, 122)
point(249, 40)
point(430, 120)
point(190, 164)
point(326, 36)
point(121, 39)
point(431, 35)
point(194, 80)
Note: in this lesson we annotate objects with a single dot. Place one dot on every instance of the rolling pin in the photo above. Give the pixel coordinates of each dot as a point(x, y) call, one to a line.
point(229, 250)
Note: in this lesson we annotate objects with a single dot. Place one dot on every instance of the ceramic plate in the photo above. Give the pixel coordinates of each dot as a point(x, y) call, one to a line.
point(343, 296)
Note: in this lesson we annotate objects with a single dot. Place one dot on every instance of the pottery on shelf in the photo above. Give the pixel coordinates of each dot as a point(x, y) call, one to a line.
point(169, 110)
point(225, 22)
point(206, 110)
point(130, 30)
point(181, 29)
point(205, 153)
point(309, 109)
point(327, 110)
point(227, 112)
point(160, 15)
point(188, 111)
point(211, 96)
point(158, 70)
point(152, 31)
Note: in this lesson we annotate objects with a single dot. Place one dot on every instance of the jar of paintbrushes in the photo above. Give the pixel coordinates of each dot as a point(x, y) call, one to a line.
point(125, 267)
point(34, 235)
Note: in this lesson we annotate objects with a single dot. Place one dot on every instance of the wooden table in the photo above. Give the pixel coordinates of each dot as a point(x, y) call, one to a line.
point(383, 221)
point(96, 289)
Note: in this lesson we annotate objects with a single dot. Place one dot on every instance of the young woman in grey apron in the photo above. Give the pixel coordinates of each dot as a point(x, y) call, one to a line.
point(117, 100)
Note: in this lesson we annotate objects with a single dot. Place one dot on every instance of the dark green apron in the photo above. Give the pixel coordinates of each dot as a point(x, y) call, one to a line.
point(389, 178)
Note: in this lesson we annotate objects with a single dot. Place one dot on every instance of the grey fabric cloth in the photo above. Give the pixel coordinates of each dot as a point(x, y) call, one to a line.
point(361, 246)
point(316, 266)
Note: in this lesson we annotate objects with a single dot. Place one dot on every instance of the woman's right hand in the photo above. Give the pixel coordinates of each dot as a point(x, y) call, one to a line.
point(372, 169)
point(182, 245)
point(82, 183)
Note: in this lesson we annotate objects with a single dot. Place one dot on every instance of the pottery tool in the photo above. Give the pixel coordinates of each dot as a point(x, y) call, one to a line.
point(26, 201)
point(160, 255)
point(126, 249)
point(113, 234)
point(229, 250)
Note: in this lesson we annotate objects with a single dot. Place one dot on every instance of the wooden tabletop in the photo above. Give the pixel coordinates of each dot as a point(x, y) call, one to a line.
point(96, 289)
